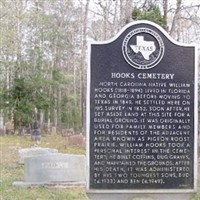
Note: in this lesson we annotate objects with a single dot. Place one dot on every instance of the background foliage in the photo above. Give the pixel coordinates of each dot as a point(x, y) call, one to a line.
point(43, 51)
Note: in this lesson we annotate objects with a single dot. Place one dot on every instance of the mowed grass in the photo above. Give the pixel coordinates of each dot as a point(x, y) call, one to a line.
point(11, 170)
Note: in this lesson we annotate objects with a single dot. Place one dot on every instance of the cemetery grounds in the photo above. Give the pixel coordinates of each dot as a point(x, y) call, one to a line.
point(11, 170)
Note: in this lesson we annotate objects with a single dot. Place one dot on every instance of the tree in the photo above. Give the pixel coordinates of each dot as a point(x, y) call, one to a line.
point(149, 12)
point(175, 20)
point(165, 14)
point(39, 62)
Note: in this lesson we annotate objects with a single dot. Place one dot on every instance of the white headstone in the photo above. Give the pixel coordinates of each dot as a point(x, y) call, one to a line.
point(35, 151)
point(54, 168)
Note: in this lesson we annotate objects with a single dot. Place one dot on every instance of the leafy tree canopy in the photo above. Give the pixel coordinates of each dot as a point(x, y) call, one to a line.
point(150, 12)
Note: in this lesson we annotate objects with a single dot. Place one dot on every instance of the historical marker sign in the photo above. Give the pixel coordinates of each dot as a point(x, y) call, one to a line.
point(142, 112)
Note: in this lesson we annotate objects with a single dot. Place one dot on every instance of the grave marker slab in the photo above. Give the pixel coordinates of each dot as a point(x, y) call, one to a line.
point(34, 151)
point(56, 169)
point(142, 114)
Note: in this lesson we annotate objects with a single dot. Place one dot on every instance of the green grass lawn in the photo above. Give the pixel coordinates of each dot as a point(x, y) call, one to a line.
point(11, 171)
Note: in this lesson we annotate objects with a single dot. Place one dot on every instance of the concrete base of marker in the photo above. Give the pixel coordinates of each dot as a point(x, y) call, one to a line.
point(125, 196)
point(23, 184)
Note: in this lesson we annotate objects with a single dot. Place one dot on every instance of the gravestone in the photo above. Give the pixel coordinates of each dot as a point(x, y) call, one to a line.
point(54, 169)
point(142, 116)
point(36, 132)
point(2, 128)
point(34, 151)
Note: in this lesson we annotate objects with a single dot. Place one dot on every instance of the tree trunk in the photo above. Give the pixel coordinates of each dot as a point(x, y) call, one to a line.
point(83, 67)
point(128, 11)
point(175, 26)
point(165, 10)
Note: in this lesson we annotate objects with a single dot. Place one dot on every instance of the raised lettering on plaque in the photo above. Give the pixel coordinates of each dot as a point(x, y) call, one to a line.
point(142, 112)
